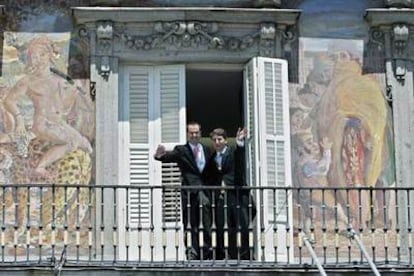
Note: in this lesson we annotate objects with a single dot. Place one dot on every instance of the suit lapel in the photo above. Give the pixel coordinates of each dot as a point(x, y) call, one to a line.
point(190, 156)
point(225, 157)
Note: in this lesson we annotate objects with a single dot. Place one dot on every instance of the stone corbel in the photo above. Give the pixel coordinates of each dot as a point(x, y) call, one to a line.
point(400, 35)
point(399, 3)
point(267, 40)
point(104, 46)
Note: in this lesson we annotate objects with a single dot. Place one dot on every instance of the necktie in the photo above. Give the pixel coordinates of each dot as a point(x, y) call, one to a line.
point(196, 152)
point(198, 158)
point(218, 160)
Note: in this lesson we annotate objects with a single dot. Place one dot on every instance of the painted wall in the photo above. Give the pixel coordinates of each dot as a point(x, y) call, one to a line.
point(47, 117)
point(341, 124)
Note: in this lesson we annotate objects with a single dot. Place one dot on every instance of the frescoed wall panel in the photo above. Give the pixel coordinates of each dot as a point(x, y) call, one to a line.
point(341, 124)
point(47, 127)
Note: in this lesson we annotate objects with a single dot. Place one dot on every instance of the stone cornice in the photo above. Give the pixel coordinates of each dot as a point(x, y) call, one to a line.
point(84, 15)
point(377, 17)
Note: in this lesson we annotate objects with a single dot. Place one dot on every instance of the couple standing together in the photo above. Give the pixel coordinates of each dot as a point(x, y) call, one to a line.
point(219, 209)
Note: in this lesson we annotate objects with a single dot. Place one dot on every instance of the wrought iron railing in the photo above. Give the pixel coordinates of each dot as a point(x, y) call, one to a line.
point(124, 226)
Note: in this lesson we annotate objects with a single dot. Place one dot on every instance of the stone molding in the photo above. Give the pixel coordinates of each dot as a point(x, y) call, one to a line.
point(197, 3)
point(185, 35)
point(399, 3)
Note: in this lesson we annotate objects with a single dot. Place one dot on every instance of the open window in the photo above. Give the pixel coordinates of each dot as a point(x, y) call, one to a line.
point(154, 108)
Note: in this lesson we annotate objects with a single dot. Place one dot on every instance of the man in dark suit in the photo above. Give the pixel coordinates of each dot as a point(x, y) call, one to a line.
point(230, 216)
point(191, 159)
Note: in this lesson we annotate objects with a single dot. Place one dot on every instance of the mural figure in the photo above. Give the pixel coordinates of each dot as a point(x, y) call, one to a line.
point(46, 135)
point(353, 114)
point(339, 103)
point(310, 171)
point(53, 98)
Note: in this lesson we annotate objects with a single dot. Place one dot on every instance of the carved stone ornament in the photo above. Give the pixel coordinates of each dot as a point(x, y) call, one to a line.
point(400, 35)
point(399, 3)
point(192, 34)
point(104, 37)
point(267, 39)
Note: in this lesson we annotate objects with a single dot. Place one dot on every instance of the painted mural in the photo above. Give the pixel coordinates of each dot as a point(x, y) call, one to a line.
point(341, 132)
point(47, 130)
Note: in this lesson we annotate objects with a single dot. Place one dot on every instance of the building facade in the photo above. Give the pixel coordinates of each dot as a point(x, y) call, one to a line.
point(90, 88)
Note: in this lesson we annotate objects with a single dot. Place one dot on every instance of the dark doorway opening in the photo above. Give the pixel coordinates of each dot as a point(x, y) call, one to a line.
point(215, 99)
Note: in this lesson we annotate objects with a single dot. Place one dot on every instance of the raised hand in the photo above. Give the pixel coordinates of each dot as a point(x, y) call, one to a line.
point(241, 134)
point(160, 151)
point(326, 144)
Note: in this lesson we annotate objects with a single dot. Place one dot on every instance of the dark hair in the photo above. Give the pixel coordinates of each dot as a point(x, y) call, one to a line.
point(218, 132)
point(192, 123)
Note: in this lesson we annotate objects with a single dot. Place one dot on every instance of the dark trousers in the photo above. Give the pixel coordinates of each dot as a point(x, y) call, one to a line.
point(231, 216)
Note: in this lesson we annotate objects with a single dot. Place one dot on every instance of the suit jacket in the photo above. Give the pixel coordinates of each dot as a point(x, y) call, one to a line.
point(183, 156)
point(232, 168)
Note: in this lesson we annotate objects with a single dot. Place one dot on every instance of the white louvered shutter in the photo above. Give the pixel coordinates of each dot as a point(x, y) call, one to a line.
point(139, 83)
point(173, 123)
point(154, 104)
point(268, 152)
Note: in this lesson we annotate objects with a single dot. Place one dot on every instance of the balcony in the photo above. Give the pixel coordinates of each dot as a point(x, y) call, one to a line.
point(79, 228)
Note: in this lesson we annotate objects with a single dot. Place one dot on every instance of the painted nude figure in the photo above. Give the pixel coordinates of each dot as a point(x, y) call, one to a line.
point(53, 98)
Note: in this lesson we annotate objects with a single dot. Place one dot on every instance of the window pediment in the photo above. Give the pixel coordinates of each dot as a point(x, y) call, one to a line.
point(186, 34)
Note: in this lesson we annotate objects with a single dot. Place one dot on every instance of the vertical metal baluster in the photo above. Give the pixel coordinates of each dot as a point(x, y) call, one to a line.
point(90, 225)
point(188, 226)
point(127, 227)
point(324, 227)
point(139, 233)
point(177, 222)
point(53, 224)
point(152, 227)
point(3, 223)
point(371, 204)
point(312, 212)
point(337, 224)
point(385, 229)
point(275, 212)
point(201, 230)
point(238, 225)
point(250, 227)
point(164, 226)
point(65, 220)
point(397, 226)
point(288, 229)
point(410, 242)
point(16, 221)
point(348, 206)
point(40, 223)
point(361, 222)
point(213, 226)
point(226, 229)
point(28, 228)
point(300, 226)
point(262, 227)
point(102, 227)
point(115, 225)
point(77, 225)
